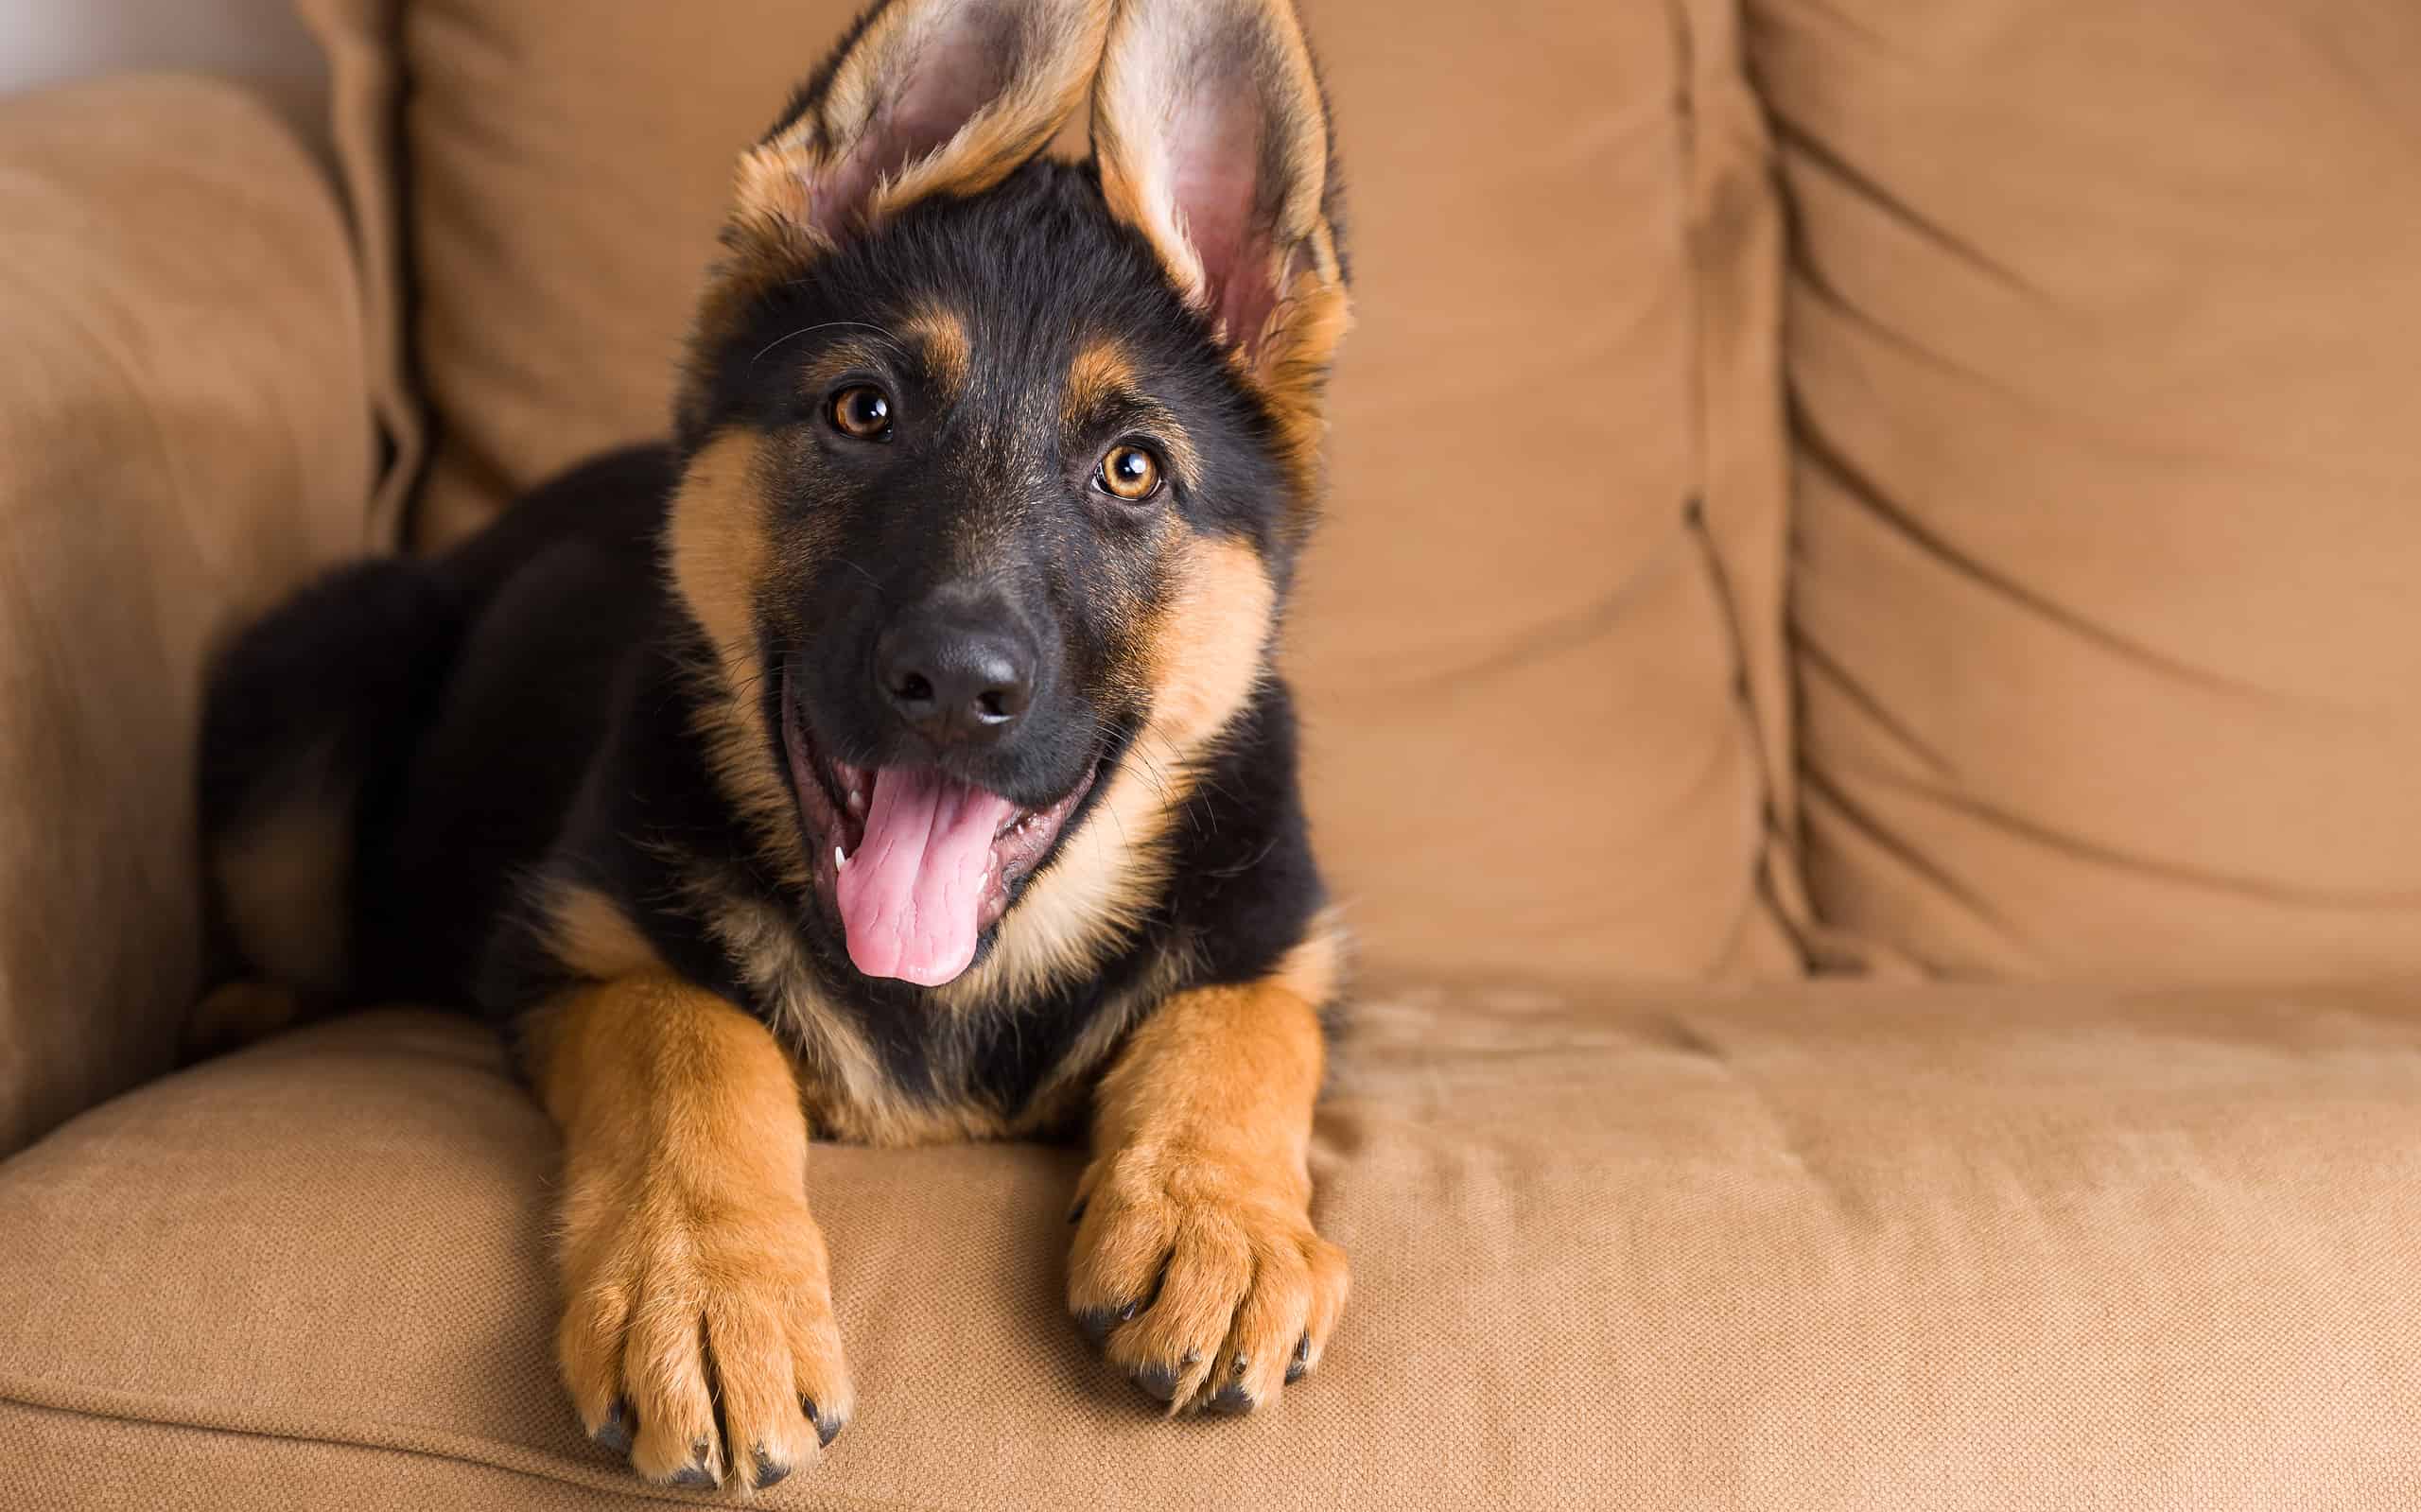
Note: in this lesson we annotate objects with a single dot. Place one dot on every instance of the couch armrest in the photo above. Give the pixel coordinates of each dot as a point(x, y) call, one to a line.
point(183, 432)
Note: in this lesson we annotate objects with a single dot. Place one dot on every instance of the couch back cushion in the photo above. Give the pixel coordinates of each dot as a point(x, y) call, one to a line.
point(2105, 321)
point(182, 438)
point(1541, 685)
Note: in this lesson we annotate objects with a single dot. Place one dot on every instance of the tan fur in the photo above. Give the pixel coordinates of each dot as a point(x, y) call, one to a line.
point(716, 546)
point(593, 938)
point(1309, 323)
point(942, 342)
point(285, 875)
point(1101, 374)
point(1197, 1196)
point(696, 1279)
point(1314, 970)
point(1154, 52)
point(1210, 645)
point(716, 541)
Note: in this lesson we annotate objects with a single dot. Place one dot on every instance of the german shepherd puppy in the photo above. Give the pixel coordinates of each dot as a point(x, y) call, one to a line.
point(896, 755)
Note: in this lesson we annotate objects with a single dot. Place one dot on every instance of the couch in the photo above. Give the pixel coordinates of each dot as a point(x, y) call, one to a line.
point(1863, 682)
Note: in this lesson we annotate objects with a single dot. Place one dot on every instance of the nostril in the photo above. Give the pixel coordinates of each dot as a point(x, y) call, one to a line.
point(953, 682)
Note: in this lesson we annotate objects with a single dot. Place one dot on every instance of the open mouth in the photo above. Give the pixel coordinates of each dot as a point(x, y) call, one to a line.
point(917, 863)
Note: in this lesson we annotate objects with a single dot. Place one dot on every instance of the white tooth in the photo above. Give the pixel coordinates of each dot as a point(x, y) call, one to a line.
point(839, 860)
point(857, 802)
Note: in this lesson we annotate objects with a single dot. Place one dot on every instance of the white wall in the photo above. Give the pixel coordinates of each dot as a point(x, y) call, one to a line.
point(256, 41)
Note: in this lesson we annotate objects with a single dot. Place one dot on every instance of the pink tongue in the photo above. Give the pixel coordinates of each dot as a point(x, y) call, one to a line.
point(911, 896)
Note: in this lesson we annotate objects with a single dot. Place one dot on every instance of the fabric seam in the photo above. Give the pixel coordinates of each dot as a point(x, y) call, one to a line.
point(17, 1395)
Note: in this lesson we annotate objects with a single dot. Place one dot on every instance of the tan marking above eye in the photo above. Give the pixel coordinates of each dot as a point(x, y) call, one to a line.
point(939, 336)
point(1098, 376)
point(863, 411)
point(1130, 473)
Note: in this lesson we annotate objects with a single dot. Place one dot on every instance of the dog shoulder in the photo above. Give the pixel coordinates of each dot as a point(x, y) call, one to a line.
point(1245, 888)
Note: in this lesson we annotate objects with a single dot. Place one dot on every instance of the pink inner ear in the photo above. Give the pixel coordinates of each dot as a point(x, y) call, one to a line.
point(928, 96)
point(1214, 170)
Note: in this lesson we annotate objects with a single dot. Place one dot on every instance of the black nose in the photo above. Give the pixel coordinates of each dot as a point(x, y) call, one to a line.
point(957, 676)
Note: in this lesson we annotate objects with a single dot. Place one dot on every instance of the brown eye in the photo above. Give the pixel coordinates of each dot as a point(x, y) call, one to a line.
point(863, 411)
point(1130, 473)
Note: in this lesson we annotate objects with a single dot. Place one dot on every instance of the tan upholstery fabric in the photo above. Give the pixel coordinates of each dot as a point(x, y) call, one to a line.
point(2103, 338)
point(183, 434)
point(1539, 695)
point(366, 130)
point(2013, 1250)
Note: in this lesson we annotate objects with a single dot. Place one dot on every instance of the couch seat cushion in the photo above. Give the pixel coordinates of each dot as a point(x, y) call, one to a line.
point(1817, 1247)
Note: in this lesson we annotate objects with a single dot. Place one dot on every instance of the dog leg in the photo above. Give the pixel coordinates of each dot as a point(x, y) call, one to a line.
point(1195, 1263)
point(698, 1332)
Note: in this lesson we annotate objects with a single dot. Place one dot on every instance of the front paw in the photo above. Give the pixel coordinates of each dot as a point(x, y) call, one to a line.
point(700, 1341)
point(1202, 1280)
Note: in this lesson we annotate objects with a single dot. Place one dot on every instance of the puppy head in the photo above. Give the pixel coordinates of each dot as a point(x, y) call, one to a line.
point(995, 467)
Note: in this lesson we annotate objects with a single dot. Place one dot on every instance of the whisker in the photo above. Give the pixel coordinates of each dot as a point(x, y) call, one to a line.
point(893, 341)
point(863, 573)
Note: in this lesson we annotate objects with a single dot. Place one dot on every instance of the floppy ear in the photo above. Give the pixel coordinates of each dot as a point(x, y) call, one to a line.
point(1213, 141)
point(921, 97)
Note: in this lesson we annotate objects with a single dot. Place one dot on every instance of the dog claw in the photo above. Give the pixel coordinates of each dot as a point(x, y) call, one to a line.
point(1231, 1400)
point(825, 1432)
point(1096, 1322)
point(769, 1471)
point(1158, 1381)
point(618, 1429)
point(1302, 1363)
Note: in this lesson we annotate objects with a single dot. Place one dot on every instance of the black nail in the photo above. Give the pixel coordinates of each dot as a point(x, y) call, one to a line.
point(1231, 1402)
point(693, 1476)
point(1302, 1363)
point(825, 1432)
point(1158, 1381)
point(1096, 1322)
point(615, 1431)
point(768, 1472)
